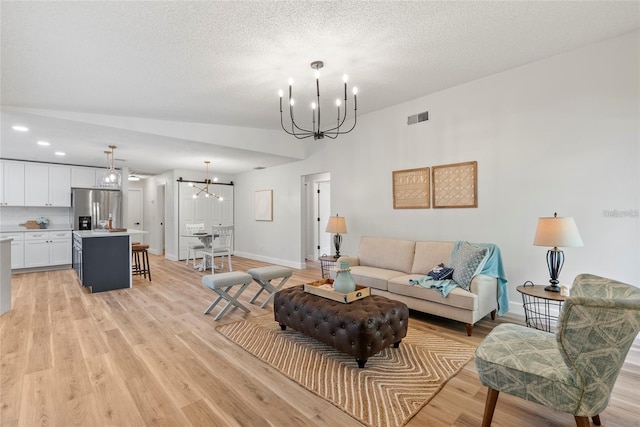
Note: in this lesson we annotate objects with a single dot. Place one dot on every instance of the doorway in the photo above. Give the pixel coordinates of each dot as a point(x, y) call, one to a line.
point(315, 215)
point(135, 215)
point(160, 215)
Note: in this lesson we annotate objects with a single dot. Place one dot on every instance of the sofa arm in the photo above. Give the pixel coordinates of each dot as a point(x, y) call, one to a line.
point(486, 288)
point(353, 261)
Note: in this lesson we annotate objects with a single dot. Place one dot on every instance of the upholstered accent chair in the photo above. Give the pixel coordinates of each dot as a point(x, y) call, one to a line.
point(573, 370)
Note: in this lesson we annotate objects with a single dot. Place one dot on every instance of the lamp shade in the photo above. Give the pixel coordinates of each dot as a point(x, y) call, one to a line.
point(337, 225)
point(557, 232)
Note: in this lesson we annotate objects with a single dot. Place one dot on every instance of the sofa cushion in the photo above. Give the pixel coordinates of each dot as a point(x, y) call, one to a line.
point(391, 254)
point(373, 277)
point(465, 262)
point(456, 298)
point(428, 254)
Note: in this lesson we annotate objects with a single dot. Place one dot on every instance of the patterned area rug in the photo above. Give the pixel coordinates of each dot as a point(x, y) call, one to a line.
point(389, 391)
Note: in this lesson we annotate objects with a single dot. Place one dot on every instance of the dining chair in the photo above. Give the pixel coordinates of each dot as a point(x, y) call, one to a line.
point(573, 370)
point(194, 246)
point(221, 246)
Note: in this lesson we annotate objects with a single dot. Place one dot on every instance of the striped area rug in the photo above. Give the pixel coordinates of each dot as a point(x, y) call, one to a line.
point(389, 391)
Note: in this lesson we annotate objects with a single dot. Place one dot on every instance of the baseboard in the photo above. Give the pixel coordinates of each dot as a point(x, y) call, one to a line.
point(283, 262)
point(515, 307)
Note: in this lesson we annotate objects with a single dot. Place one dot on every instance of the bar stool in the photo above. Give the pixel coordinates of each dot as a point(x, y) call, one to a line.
point(140, 260)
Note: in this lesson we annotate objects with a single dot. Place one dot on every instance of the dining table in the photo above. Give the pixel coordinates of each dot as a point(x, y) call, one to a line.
point(206, 239)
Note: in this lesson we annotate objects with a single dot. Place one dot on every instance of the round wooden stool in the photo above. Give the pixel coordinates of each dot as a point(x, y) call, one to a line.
point(140, 260)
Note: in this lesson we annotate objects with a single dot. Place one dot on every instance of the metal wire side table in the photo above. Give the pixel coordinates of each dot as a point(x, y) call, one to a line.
point(541, 308)
point(326, 263)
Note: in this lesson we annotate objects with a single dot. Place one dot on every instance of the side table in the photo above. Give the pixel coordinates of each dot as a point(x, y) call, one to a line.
point(541, 308)
point(326, 263)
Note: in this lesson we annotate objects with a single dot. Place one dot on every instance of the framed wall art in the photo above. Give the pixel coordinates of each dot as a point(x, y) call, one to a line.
point(263, 205)
point(455, 185)
point(411, 189)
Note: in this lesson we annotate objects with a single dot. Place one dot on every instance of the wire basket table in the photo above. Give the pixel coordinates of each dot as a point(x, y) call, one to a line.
point(541, 308)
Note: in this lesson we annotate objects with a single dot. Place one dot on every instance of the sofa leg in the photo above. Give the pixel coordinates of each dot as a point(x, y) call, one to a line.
point(469, 327)
point(493, 314)
point(596, 420)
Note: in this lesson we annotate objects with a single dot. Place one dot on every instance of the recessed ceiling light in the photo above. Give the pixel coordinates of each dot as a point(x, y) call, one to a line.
point(134, 178)
point(259, 168)
point(44, 143)
point(20, 128)
point(60, 153)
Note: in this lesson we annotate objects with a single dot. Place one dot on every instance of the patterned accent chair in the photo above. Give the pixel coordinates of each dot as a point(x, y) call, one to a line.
point(574, 369)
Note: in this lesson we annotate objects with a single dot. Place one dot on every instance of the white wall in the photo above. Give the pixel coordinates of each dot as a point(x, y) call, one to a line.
point(558, 135)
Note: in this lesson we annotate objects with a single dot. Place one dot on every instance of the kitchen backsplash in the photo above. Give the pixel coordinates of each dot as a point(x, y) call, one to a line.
point(14, 215)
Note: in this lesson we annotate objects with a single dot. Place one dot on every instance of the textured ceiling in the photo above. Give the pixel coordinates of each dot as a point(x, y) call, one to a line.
point(223, 62)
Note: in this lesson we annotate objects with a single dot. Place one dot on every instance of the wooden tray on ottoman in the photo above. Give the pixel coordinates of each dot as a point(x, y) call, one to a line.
point(324, 288)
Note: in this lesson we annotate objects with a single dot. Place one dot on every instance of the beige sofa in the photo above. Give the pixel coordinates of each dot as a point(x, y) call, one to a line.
point(386, 266)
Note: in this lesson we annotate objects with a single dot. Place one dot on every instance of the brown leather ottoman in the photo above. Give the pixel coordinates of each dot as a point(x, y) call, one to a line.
point(361, 328)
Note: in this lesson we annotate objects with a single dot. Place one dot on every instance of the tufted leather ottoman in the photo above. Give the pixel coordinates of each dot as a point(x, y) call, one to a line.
point(361, 328)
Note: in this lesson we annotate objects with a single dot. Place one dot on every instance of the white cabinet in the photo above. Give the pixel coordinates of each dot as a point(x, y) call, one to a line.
point(83, 177)
point(47, 185)
point(11, 183)
point(46, 248)
point(17, 248)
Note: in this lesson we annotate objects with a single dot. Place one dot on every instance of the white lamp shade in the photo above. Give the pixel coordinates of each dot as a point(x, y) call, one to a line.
point(336, 224)
point(557, 232)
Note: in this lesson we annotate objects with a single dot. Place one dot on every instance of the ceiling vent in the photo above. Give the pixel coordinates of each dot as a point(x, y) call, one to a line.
point(417, 118)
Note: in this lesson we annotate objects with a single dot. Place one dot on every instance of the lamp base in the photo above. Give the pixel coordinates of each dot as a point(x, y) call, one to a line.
point(552, 288)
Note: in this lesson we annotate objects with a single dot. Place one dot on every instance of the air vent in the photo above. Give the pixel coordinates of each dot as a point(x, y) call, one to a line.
point(417, 118)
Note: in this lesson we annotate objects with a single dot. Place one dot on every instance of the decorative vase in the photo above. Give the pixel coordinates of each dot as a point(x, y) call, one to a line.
point(343, 282)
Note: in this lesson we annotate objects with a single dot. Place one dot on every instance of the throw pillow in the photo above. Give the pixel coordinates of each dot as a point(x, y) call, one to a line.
point(465, 262)
point(440, 272)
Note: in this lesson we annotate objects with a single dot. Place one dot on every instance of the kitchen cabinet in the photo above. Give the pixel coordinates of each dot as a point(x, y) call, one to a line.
point(11, 183)
point(17, 248)
point(47, 248)
point(83, 177)
point(47, 185)
point(102, 260)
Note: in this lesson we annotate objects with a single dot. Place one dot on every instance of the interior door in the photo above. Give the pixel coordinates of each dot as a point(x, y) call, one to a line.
point(324, 212)
point(135, 217)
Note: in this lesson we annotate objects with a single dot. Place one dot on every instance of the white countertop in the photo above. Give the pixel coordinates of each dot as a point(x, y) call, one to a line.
point(15, 228)
point(92, 233)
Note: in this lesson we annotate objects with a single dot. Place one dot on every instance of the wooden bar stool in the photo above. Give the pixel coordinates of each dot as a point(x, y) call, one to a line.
point(140, 260)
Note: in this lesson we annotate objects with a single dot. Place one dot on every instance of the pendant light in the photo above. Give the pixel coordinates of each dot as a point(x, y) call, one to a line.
point(111, 177)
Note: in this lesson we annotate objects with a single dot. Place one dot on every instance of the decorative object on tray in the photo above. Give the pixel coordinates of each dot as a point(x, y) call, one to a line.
point(411, 189)
point(455, 185)
point(343, 282)
point(324, 288)
point(42, 222)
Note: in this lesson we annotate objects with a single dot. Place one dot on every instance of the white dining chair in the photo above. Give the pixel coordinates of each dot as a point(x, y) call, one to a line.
point(221, 246)
point(196, 245)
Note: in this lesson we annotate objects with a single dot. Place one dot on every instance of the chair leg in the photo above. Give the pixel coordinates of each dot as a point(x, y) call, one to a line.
point(146, 256)
point(596, 420)
point(582, 421)
point(229, 261)
point(493, 314)
point(469, 327)
point(489, 406)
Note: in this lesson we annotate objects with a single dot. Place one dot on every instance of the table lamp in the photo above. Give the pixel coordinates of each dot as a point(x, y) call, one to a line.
point(338, 226)
point(556, 232)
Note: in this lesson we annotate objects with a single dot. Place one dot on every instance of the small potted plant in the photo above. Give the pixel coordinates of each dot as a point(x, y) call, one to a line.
point(42, 221)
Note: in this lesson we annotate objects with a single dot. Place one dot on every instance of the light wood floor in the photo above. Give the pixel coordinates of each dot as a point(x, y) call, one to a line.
point(148, 356)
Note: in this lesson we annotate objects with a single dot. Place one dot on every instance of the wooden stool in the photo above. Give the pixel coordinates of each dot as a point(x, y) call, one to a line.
point(221, 284)
point(140, 264)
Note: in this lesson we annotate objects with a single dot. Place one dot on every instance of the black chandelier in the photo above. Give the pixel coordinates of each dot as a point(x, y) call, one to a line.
point(316, 130)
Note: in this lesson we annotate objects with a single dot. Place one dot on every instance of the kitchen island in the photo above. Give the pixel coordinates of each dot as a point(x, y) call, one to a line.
point(102, 259)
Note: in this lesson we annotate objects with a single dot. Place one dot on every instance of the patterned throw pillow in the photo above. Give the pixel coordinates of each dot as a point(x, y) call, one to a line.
point(440, 272)
point(465, 262)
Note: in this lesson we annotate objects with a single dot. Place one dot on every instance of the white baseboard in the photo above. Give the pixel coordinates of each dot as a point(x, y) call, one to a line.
point(283, 262)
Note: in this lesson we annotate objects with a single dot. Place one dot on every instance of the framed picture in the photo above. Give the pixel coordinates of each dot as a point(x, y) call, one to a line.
point(263, 205)
point(411, 189)
point(455, 185)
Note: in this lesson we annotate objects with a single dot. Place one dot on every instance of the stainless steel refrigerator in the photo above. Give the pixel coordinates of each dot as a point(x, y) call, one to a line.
point(91, 208)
